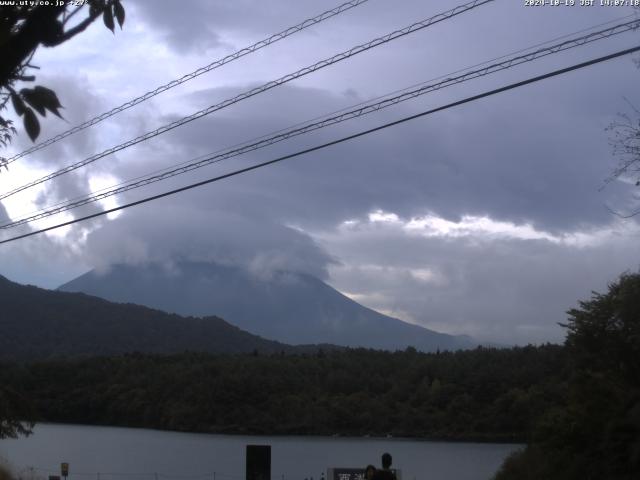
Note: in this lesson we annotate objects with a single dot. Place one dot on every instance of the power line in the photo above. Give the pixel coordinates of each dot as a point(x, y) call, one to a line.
point(196, 73)
point(334, 142)
point(379, 97)
point(267, 86)
point(344, 115)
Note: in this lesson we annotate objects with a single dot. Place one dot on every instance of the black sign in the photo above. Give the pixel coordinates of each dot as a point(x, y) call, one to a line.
point(258, 462)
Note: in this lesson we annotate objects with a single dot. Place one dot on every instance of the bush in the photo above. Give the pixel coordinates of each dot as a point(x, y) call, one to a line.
point(5, 473)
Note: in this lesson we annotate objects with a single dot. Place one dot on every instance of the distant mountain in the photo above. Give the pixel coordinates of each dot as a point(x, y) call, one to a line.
point(38, 324)
point(289, 307)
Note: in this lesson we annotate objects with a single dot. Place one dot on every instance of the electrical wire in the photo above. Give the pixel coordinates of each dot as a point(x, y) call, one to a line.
point(334, 142)
point(267, 86)
point(379, 97)
point(363, 109)
point(190, 76)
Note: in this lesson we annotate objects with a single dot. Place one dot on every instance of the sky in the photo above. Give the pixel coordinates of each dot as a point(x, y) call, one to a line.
point(490, 219)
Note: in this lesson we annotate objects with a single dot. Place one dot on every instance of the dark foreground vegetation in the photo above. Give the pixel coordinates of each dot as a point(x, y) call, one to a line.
point(577, 406)
point(484, 394)
point(595, 434)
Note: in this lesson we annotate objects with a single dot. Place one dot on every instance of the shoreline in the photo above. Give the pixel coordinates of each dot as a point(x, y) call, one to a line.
point(497, 440)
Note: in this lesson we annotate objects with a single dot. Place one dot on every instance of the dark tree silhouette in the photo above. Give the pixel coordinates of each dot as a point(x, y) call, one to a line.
point(596, 434)
point(16, 414)
point(625, 141)
point(23, 28)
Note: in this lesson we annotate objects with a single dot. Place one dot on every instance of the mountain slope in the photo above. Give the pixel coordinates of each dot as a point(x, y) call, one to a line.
point(290, 307)
point(38, 324)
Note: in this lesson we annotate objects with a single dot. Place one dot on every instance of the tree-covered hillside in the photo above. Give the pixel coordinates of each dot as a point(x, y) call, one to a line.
point(577, 406)
point(286, 306)
point(596, 433)
point(484, 394)
point(41, 324)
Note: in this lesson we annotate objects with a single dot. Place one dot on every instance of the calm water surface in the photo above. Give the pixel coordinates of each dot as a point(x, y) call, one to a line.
point(108, 453)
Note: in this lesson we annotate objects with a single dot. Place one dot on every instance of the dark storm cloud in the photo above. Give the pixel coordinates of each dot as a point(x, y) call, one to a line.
point(169, 233)
point(185, 26)
point(533, 156)
point(497, 289)
point(203, 24)
point(36, 260)
point(516, 158)
point(78, 107)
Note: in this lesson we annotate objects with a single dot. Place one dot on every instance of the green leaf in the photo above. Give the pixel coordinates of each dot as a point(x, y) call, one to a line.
point(34, 100)
point(18, 104)
point(118, 9)
point(107, 18)
point(94, 9)
point(42, 99)
point(31, 124)
point(49, 99)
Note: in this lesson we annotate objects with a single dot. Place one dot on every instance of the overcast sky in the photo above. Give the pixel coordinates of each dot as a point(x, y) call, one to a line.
point(486, 219)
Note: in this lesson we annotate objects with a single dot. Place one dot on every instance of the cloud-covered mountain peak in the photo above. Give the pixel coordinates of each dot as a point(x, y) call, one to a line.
point(291, 307)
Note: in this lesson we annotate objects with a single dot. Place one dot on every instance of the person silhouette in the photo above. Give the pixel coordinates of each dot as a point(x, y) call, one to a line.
point(369, 472)
point(385, 472)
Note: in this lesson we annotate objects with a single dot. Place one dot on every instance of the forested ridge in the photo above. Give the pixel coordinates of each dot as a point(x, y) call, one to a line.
point(482, 394)
point(577, 406)
point(37, 324)
point(595, 433)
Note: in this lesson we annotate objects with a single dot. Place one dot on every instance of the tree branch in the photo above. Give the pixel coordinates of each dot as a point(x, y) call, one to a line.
point(19, 46)
point(68, 17)
point(81, 27)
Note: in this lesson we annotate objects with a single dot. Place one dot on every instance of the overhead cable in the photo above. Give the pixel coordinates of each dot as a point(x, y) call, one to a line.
point(254, 91)
point(361, 110)
point(331, 143)
point(190, 76)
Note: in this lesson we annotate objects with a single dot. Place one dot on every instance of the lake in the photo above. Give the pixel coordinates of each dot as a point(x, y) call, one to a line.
point(111, 453)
